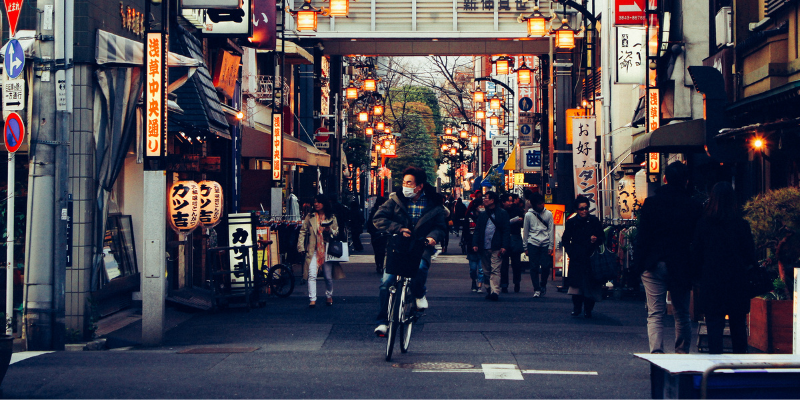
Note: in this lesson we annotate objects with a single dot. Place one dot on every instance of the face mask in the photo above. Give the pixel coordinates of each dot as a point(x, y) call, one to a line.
point(408, 192)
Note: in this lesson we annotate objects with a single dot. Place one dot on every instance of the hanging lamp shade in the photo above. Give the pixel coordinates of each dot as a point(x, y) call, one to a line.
point(377, 110)
point(369, 131)
point(448, 131)
point(537, 23)
point(453, 151)
point(494, 103)
point(501, 65)
point(363, 116)
point(444, 147)
point(463, 134)
point(565, 36)
point(478, 96)
point(473, 140)
point(524, 74)
point(379, 125)
point(340, 8)
point(480, 114)
point(370, 84)
point(494, 120)
point(183, 207)
point(211, 203)
point(387, 129)
point(386, 143)
point(351, 92)
point(307, 17)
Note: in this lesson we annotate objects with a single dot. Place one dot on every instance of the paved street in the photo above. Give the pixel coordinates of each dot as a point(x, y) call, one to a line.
point(286, 350)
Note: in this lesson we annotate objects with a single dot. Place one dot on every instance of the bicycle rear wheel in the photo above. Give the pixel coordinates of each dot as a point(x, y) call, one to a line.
point(281, 280)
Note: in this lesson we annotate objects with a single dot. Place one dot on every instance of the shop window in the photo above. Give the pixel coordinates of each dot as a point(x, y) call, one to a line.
point(119, 249)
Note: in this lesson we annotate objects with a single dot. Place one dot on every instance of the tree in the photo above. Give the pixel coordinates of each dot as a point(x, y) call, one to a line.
point(415, 147)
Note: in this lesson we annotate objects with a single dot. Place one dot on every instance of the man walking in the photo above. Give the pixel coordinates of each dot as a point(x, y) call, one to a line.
point(415, 211)
point(537, 239)
point(512, 256)
point(491, 240)
point(666, 228)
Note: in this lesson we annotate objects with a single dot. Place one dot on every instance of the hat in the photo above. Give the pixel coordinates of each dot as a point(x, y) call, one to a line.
point(478, 192)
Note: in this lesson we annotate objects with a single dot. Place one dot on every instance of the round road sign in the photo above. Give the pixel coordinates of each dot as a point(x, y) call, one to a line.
point(14, 132)
point(525, 104)
point(14, 59)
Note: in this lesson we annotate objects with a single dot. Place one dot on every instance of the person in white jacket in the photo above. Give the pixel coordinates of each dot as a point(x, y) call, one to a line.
point(537, 241)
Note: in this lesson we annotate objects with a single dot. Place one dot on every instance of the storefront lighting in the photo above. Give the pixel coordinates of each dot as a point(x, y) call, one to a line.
point(448, 131)
point(494, 103)
point(565, 36)
point(379, 125)
point(524, 74)
point(363, 116)
point(351, 92)
point(537, 23)
point(377, 110)
point(478, 96)
point(480, 114)
point(306, 17)
point(370, 85)
point(339, 8)
point(369, 131)
point(239, 115)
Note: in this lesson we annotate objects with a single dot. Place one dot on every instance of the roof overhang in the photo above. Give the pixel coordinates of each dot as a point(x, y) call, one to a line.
point(294, 53)
point(682, 137)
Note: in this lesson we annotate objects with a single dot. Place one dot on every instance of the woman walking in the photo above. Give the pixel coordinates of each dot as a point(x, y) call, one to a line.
point(583, 234)
point(723, 248)
point(317, 230)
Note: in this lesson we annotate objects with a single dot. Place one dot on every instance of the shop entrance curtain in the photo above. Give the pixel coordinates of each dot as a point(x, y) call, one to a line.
point(115, 97)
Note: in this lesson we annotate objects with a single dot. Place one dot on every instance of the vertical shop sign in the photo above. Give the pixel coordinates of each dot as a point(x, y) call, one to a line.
point(653, 163)
point(630, 55)
point(277, 147)
point(264, 29)
point(211, 202)
point(240, 234)
point(184, 207)
point(532, 158)
point(626, 197)
point(226, 73)
point(585, 173)
point(155, 95)
point(653, 110)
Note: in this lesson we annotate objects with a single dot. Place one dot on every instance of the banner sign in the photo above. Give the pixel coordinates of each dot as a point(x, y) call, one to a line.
point(630, 62)
point(211, 201)
point(653, 110)
point(277, 147)
point(156, 95)
point(240, 233)
point(264, 36)
point(583, 159)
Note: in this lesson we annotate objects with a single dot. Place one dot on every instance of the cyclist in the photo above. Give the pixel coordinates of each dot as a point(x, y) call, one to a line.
point(415, 211)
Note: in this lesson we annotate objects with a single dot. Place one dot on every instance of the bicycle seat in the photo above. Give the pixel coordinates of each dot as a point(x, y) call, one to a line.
point(264, 243)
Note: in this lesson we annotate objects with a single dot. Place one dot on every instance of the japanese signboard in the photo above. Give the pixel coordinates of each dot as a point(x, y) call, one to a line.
point(558, 212)
point(277, 147)
point(211, 201)
point(264, 36)
point(500, 142)
point(583, 159)
point(532, 158)
point(653, 110)
point(230, 28)
point(630, 62)
point(240, 234)
point(155, 95)
point(626, 197)
point(570, 113)
point(226, 72)
point(653, 163)
point(629, 12)
point(184, 207)
point(13, 94)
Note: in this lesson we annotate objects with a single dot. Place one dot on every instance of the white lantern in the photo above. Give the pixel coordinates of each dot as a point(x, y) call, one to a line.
point(184, 207)
point(211, 203)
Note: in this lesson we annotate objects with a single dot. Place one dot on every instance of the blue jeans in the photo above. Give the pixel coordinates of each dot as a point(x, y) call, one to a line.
point(417, 288)
point(475, 270)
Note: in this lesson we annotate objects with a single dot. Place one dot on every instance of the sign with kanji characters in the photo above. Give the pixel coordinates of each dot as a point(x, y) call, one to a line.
point(627, 200)
point(653, 163)
point(570, 113)
point(583, 159)
point(500, 141)
point(183, 210)
point(155, 94)
point(264, 28)
point(277, 147)
point(558, 211)
point(531, 158)
point(211, 201)
point(13, 7)
point(630, 59)
point(226, 72)
point(13, 94)
point(240, 234)
point(653, 110)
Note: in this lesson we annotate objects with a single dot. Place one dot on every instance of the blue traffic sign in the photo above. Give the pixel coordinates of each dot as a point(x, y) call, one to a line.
point(14, 132)
point(15, 59)
point(525, 129)
point(525, 104)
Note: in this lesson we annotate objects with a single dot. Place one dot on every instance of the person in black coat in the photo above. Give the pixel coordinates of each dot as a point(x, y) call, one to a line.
point(356, 225)
point(378, 240)
point(495, 223)
point(512, 257)
point(583, 234)
point(666, 227)
point(723, 249)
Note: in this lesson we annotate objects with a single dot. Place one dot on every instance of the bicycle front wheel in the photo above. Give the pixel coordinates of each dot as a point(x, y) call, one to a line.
point(281, 280)
point(394, 321)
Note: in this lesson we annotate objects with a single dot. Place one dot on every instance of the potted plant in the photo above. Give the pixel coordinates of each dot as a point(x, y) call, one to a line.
point(774, 218)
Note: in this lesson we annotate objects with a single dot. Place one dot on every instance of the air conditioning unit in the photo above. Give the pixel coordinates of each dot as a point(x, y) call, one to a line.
point(723, 24)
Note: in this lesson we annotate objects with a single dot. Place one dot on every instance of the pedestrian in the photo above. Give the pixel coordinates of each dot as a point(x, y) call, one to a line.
point(415, 211)
point(491, 241)
point(378, 240)
point(458, 215)
point(723, 249)
point(318, 229)
point(356, 225)
point(469, 222)
point(513, 256)
point(537, 238)
point(667, 221)
point(583, 234)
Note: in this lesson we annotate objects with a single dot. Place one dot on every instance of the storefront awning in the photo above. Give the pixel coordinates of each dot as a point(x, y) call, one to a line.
point(256, 143)
point(115, 49)
point(511, 163)
point(294, 54)
point(297, 151)
point(683, 137)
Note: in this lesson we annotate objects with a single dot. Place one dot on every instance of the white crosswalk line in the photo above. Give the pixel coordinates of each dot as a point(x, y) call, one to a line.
point(502, 371)
point(548, 372)
point(24, 355)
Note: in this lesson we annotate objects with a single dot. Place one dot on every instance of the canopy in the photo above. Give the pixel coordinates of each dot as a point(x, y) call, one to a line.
point(115, 49)
point(682, 137)
point(511, 163)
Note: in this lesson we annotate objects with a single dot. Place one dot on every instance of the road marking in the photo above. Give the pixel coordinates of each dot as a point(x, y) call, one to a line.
point(24, 355)
point(502, 371)
point(547, 372)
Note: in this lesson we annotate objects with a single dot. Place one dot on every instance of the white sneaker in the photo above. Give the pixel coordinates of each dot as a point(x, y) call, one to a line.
point(422, 303)
point(381, 330)
point(537, 294)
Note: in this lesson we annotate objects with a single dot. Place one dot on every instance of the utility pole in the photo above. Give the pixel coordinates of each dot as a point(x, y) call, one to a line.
point(40, 290)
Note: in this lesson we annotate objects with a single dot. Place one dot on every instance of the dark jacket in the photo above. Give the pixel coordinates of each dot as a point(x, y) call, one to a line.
point(459, 211)
point(666, 228)
point(515, 229)
point(578, 244)
point(393, 216)
point(723, 250)
point(501, 239)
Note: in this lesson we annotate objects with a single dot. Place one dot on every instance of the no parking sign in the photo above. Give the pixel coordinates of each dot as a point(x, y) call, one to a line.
point(13, 132)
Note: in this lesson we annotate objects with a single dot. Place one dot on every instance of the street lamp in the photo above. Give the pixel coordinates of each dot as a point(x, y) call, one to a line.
point(494, 103)
point(565, 36)
point(307, 17)
point(494, 120)
point(501, 65)
point(363, 116)
point(480, 114)
point(369, 131)
point(448, 130)
point(463, 134)
point(453, 151)
point(370, 84)
point(339, 8)
point(524, 74)
point(377, 110)
point(444, 147)
point(537, 23)
point(478, 96)
point(473, 140)
point(351, 93)
point(379, 125)
point(387, 129)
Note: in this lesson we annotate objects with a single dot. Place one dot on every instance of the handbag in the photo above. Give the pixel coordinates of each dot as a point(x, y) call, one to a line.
point(758, 282)
point(337, 246)
point(603, 264)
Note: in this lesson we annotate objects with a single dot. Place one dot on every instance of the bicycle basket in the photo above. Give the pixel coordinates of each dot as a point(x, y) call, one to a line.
point(403, 256)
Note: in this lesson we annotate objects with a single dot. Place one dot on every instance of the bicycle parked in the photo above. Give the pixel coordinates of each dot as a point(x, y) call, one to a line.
point(278, 279)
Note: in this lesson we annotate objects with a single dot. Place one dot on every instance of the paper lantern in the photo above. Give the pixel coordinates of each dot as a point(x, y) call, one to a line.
point(370, 85)
point(211, 203)
point(494, 103)
point(377, 110)
point(339, 8)
point(363, 116)
point(183, 209)
point(537, 23)
point(478, 96)
point(565, 36)
point(480, 114)
point(379, 125)
point(369, 131)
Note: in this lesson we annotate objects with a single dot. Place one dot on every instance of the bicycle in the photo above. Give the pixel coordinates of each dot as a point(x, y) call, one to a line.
point(402, 312)
point(279, 278)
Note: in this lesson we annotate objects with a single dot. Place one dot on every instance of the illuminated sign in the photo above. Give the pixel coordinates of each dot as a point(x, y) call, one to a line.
point(155, 95)
point(653, 106)
point(277, 147)
point(211, 201)
point(653, 163)
point(184, 206)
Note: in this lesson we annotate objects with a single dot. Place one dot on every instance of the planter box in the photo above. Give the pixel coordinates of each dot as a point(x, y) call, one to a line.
point(770, 324)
